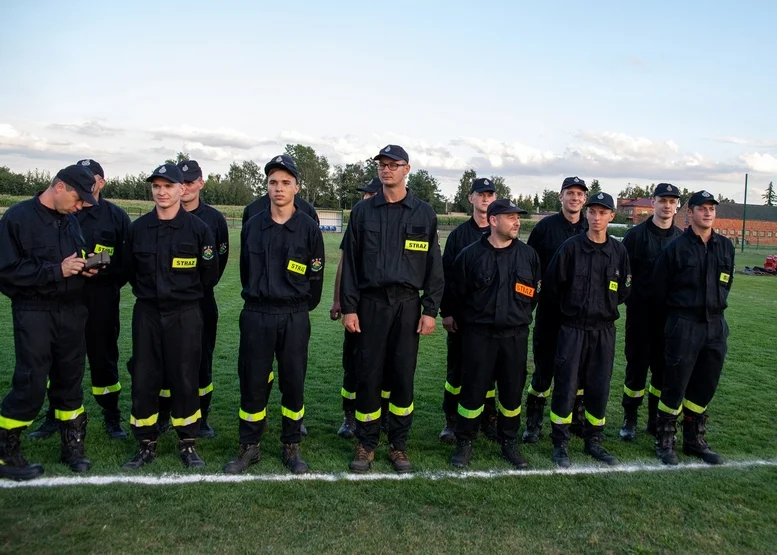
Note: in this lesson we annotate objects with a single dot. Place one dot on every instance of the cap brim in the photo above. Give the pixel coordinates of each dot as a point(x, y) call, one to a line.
point(597, 203)
point(151, 177)
point(86, 197)
point(583, 187)
point(484, 189)
point(278, 166)
point(516, 210)
point(390, 155)
point(667, 194)
point(191, 176)
point(705, 201)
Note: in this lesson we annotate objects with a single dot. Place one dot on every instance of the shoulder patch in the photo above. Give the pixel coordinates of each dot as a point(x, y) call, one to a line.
point(223, 248)
point(207, 252)
point(316, 265)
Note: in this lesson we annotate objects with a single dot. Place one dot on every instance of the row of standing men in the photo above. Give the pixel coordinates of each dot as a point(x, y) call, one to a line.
point(390, 254)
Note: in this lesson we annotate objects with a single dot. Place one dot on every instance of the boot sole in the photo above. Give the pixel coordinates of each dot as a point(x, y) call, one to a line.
point(359, 470)
point(689, 453)
point(627, 436)
point(521, 466)
point(562, 464)
point(23, 477)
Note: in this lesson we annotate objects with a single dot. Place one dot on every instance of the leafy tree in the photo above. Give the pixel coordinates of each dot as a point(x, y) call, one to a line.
point(461, 199)
point(536, 201)
point(314, 180)
point(524, 202)
point(502, 189)
point(249, 175)
point(345, 180)
point(427, 188)
point(635, 191)
point(595, 188)
point(770, 197)
point(550, 201)
point(724, 200)
point(179, 157)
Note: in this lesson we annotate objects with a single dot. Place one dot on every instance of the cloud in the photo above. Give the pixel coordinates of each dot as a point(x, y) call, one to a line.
point(92, 128)
point(225, 138)
point(13, 141)
point(768, 144)
point(760, 163)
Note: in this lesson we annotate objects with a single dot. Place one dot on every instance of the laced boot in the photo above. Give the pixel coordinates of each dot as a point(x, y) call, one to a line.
point(694, 444)
point(399, 460)
point(188, 454)
point(463, 453)
point(146, 454)
point(594, 436)
point(535, 406)
point(511, 452)
point(362, 460)
point(113, 424)
point(13, 465)
point(561, 455)
point(247, 455)
point(73, 434)
point(290, 456)
point(629, 430)
point(666, 428)
point(447, 435)
point(348, 428)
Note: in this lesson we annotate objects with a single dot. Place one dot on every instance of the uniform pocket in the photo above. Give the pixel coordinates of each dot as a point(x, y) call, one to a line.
point(296, 266)
point(370, 234)
point(523, 286)
point(415, 249)
point(145, 258)
point(104, 241)
point(184, 258)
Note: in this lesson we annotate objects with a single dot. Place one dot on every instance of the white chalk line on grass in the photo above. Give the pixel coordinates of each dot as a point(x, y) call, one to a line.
point(179, 479)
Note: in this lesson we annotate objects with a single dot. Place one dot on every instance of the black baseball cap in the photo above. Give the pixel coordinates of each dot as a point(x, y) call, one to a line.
point(395, 152)
point(701, 197)
point(504, 206)
point(92, 166)
point(167, 171)
point(190, 169)
point(282, 162)
point(80, 179)
point(574, 182)
point(482, 185)
point(666, 190)
point(601, 199)
point(372, 187)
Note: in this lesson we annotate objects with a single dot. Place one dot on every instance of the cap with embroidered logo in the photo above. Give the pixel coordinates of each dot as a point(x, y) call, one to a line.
point(372, 187)
point(482, 185)
point(81, 179)
point(574, 182)
point(601, 199)
point(666, 190)
point(92, 166)
point(504, 206)
point(701, 197)
point(167, 171)
point(282, 162)
point(395, 152)
point(190, 169)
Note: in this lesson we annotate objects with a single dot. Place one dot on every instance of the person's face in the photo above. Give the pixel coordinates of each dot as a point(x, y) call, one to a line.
point(368, 195)
point(66, 199)
point(166, 194)
point(702, 216)
point(481, 199)
point(191, 189)
point(392, 173)
point(599, 217)
point(572, 199)
point(281, 187)
point(506, 226)
point(665, 207)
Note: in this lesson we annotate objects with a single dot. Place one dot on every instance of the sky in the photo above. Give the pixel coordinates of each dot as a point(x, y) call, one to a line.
point(624, 92)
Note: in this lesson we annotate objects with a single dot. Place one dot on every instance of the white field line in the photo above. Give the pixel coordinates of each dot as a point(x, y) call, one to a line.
point(178, 479)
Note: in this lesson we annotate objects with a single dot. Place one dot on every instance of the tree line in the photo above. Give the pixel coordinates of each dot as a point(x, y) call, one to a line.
point(326, 186)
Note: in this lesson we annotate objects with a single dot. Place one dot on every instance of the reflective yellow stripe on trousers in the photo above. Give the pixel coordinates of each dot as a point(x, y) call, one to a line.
point(633, 394)
point(556, 419)
point(509, 413)
point(663, 408)
point(207, 389)
point(593, 420)
point(540, 394)
point(11, 424)
point(179, 422)
point(347, 394)
point(453, 390)
point(293, 415)
point(65, 415)
point(368, 417)
point(106, 390)
point(691, 406)
point(140, 422)
point(400, 411)
point(253, 416)
point(470, 414)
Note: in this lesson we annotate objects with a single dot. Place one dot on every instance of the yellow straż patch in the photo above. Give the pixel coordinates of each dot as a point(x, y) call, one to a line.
point(179, 263)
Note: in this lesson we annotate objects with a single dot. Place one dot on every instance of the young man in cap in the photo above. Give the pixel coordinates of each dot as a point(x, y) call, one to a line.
point(644, 320)
point(282, 273)
point(390, 254)
point(171, 262)
point(692, 278)
point(263, 202)
point(482, 194)
point(546, 237)
point(493, 289)
point(190, 199)
point(104, 228)
point(348, 391)
point(589, 276)
point(42, 263)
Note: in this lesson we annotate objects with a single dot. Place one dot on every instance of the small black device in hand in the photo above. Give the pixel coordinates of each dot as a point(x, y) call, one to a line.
point(101, 259)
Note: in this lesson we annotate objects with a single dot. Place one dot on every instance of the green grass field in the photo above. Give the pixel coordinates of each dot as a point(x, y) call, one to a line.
point(722, 510)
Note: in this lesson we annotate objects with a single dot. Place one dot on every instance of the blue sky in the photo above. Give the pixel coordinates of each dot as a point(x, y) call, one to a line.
point(620, 91)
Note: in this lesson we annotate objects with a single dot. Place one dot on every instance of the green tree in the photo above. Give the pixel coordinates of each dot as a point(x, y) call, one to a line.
point(427, 188)
point(250, 175)
point(550, 201)
point(12, 183)
point(725, 200)
point(461, 198)
point(595, 188)
point(314, 179)
point(502, 189)
point(345, 180)
point(635, 191)
point(525, 202)
point(536, 201)
point(179, 157)
point(770, 197)
point(685, 194)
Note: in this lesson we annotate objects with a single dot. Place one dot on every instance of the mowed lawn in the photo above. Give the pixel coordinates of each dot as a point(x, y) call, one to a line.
point(722, 510)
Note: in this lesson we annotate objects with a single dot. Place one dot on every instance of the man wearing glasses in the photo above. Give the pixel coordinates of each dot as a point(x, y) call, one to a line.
point(390, 254)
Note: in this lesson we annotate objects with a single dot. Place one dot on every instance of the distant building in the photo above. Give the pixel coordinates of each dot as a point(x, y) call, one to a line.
point(637, 210)
point(760, 229)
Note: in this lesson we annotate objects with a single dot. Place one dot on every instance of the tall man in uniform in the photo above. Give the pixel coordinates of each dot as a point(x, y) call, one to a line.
point(546, 237)
point(41, 267)
point(104, 228)
point(644, 320)
point(171, 262)
point(348, 391)
point(482, 194)
point(494, 284)
point(589, 276)
point(390, 254)
point(282, 273)
point(693, 277)
point(263, 203)
point(190, 199)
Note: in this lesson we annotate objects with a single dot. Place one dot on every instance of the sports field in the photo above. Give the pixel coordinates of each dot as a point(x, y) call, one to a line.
point(644, 508)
